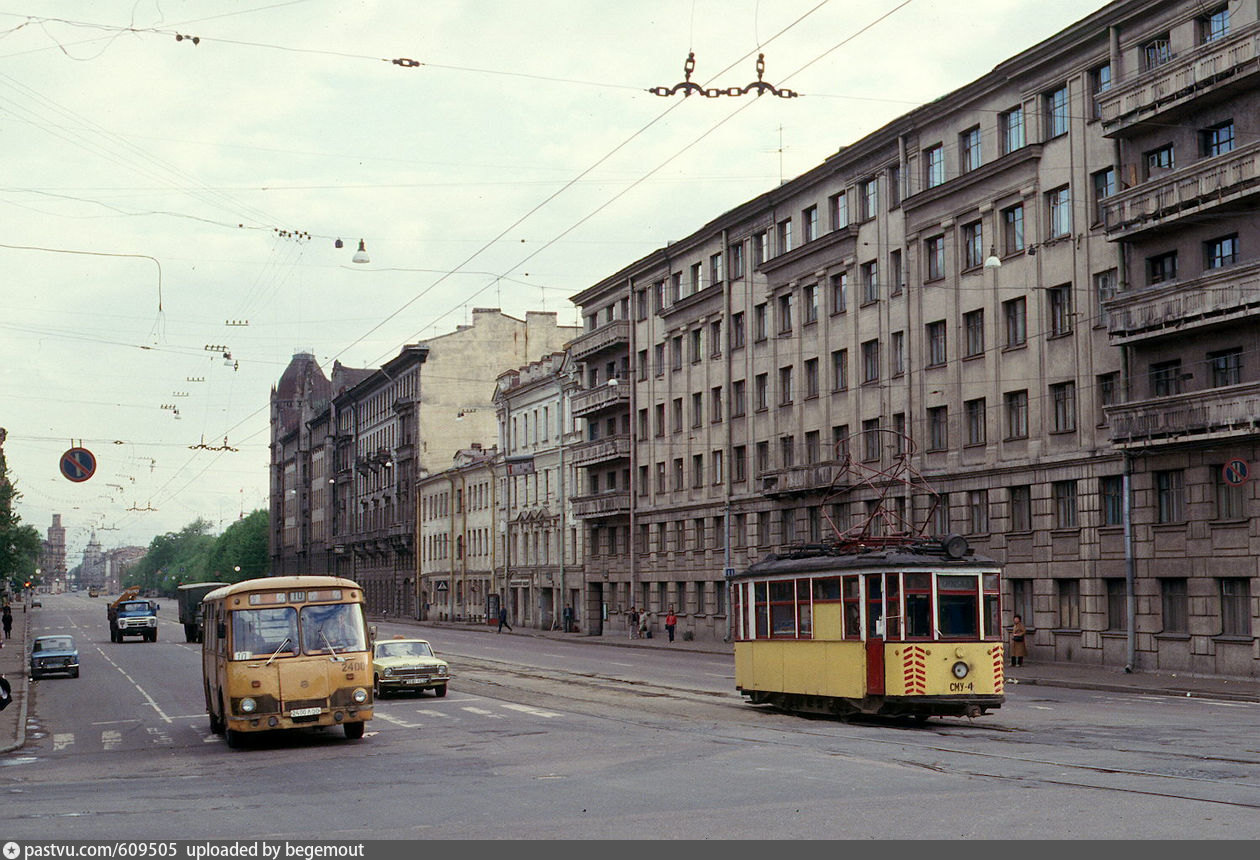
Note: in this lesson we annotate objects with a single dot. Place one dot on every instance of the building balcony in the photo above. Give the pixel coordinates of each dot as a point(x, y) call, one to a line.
point(801, 480)
point(1232, 412)
point(597, 505)
point(601, 398)
point(608, 336)
point(1221, 297)
point(1210, 70)
point(1209, 184)
point(601, 450)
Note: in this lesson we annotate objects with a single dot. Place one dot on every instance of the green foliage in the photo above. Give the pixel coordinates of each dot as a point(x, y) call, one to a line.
point(19, 544)
point(194, 555)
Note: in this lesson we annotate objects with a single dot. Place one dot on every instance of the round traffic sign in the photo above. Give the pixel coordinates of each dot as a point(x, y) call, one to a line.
point(1235, 472)
point(78, 464)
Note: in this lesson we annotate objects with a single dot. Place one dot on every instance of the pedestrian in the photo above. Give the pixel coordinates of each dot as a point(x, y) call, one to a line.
point(632, 623)
point(6, 693)
point(503, 622)
point(1019, 650)
point(7, 615)
point(671, 621)
point(645, 632)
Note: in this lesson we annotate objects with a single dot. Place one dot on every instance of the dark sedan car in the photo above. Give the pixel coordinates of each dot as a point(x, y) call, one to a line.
point(51, 655)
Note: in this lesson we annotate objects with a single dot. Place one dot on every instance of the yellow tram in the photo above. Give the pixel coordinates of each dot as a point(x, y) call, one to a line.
point(286, 652)
point(896, 627)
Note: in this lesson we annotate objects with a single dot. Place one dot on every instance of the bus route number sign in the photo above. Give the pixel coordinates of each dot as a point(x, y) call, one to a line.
point(1236, 472)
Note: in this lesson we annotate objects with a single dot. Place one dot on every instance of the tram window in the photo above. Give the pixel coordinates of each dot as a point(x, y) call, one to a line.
point(852, 608)
point(892, 587)
point(918, 606)
point(874, 606)
point(958, 610)
point(804, 610)
point(783, 609)
point(992, 607)
point(762, 611)
point(827, 589)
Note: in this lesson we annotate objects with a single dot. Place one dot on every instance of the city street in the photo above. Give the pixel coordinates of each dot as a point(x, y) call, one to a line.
point(543, 738)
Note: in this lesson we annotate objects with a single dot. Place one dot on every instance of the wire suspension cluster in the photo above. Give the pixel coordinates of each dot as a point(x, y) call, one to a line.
point(687, 86)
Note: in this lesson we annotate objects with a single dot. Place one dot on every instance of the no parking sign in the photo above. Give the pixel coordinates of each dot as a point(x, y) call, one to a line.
point(78, 464)
point(1235, 472)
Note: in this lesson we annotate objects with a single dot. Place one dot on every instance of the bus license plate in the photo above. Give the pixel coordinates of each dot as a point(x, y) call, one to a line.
point(304, 712)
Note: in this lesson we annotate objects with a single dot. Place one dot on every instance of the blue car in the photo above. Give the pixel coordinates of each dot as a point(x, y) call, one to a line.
point(54, 654)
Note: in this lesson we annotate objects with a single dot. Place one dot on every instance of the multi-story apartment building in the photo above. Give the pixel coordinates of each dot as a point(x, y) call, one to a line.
point(973, 320)
point(542, 446)
point(52, 556)
point(346, 454)
point(460, 520)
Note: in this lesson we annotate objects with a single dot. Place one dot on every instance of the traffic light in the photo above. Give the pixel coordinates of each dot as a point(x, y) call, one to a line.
point(28, 583)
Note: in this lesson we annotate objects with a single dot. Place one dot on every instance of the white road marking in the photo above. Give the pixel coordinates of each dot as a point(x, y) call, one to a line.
point(615, 663)
point(62, 740)
point(114, 722)
point(387, 718)
point(148, 699)
point(1041, 708)
point(482, 712)
point(432, 713)
point(111, 740)
point(526, 709)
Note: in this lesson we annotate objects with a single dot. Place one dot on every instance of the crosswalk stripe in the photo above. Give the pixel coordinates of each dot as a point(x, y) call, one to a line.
point(481, 712)
point(111, 740)
point(387, 718)
point(62, 740)
point(526, 709)
point(429, 712)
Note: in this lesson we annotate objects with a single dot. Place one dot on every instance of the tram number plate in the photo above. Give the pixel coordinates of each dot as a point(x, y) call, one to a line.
point(304, 712)
point(960, 687)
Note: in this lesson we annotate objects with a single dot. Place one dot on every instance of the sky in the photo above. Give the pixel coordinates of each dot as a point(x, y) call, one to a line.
point(175, 176)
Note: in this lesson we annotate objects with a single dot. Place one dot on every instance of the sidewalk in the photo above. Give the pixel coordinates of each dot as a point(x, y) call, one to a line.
point(13, 667)
point(1081, 677)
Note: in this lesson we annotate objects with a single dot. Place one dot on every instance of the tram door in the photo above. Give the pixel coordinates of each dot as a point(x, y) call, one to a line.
point(875, 627)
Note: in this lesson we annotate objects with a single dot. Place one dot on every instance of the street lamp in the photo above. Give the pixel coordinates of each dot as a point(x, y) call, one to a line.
point(992, 261)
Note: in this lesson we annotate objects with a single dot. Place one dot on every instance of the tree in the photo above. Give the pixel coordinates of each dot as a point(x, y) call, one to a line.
point(193, 555)
point(19, 544)
point(244, 546)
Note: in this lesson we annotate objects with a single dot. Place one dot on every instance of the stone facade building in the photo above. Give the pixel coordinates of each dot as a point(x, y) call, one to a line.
point(1018, 313)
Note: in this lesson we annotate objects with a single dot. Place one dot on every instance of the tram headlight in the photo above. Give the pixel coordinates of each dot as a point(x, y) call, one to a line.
point(359, 695)
point(248, 706)
point(960, 670)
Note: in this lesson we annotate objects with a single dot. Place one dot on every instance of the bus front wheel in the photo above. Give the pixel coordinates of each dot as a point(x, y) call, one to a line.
point(235, 740)
point(354, 731)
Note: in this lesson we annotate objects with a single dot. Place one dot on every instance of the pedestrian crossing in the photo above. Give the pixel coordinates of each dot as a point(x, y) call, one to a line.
point(193, 729)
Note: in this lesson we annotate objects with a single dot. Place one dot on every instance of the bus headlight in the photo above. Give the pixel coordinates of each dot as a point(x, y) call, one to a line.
point(359, 695)
point(248, 706)
point(960, 670)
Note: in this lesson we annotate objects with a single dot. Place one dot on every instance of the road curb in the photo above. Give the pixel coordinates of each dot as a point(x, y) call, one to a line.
point(1174, 692)
point(20, 741)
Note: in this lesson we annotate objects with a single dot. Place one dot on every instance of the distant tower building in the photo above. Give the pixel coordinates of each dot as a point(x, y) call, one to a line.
point(52, 556)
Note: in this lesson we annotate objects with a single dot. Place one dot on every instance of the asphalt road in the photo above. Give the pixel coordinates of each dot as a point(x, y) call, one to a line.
point(570, 740)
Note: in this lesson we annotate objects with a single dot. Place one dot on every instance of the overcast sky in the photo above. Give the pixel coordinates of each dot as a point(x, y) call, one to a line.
point(523, 161)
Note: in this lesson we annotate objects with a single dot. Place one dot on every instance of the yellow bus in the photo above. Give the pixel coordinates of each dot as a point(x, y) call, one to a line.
point(286, 652)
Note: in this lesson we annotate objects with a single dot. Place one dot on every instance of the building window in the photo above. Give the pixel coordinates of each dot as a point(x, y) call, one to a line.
point(870, 281)
point(760, 323)
point(1175, 603)
point(1165, 378)
point(870, 361)
point(1020, 502)
point(1111, 498)
point(1059, 202)
point(763, 457)
point(1013, 229)
point(761, 389)
point(973, 245)
point(1226, 367)
point(897, 346)
point(678, 415)
point(758, 248)
point(785, 385)
point(660, 419)
point(1170, 493)
point(840, 442)
point(697, 470)
point(1159, 160)
point(813, 450)
point(975, 410)
point(1063, 397)
point(1104, 187)
point(870, 439)
point(1218, 253)
point(935, 343)
point(809, 224)
point(675, 287)
point(658, 295)
point(1117, 604)
point(969, 149)
point(1108, 391)
point(1064, 495)
point(1235, 607)
point(894, 186)
point(809, 303)
point(839, 369)
point(715, 404)
point(1104, 290)
point(811, 377)
point(1230, 501)
point(785, 314)
point(1069, 596)
point(933, 166)
point(1099, 82)
point(678, 473)
point(938, 428)
point(675, 353)
point(1214, 25)
point(696, 350)
point(1156, 52)
point(839, 292)
point(715, 270)
point(1060, 302)
point(696, 284)
point(870, 198)
point(1161, 268)
point(940, 515)
point(785, 236)
point(787, 451)
point(1016, 414)
point(739, 464)
point(658, 359)
point(736, 257)
point(1015, 313)
point(838, 209)
point(895, 281)
point(1011, 130)
point(973, 329)
point(697, 409)
point(978, 512)
point(934, 251)
point(1056, 102)
point(738, 398)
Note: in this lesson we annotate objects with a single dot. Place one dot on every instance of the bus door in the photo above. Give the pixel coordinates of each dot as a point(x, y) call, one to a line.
point(875, 632)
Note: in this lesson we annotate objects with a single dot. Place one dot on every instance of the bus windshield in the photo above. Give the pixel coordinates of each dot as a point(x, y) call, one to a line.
point(264, 632)
point(333, 628)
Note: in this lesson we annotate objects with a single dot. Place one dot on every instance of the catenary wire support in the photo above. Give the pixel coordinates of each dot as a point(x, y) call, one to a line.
point(687, 86)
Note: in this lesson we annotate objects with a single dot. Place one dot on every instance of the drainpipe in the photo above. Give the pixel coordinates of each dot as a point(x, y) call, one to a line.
point(1130, 597)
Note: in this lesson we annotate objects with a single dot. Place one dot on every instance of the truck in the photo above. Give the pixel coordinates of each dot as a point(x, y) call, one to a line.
point(190, 595)
point(132, 616)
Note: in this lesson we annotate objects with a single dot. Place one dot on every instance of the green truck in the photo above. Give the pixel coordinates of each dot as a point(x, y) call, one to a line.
point(190, 595)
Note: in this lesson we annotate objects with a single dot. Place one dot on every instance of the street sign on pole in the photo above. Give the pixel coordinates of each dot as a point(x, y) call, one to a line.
point(78, 464)
point(1235, 472)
